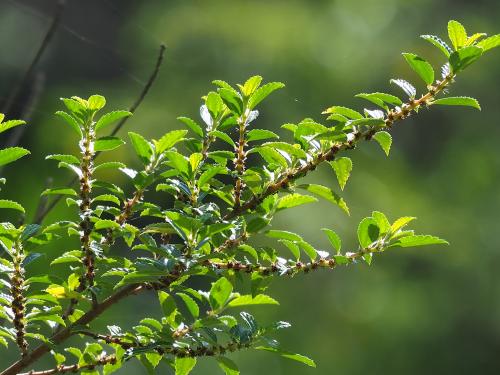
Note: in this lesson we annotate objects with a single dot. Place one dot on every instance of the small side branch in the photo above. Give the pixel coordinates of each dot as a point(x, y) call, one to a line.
point(109, 359)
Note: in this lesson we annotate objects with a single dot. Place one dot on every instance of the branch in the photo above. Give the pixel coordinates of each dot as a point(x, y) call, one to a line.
point(109, 359)
point(392, 116)
point(65, 333)
point(39, 218)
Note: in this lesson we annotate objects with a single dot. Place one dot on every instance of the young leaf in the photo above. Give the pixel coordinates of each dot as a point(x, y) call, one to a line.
point(142, 147)
point(458, 100)
point(169, 140)
point(184, 365)
point(457, 34)
point(111, 117)
point(443, 47)
point(251, 85)
point(260, 134)
point(71, 121)
point(368, 232)
point(209, 174)
point(4, 203)
point(60, 191)
point(262, 92)
point(384, 139)
point(293, 200)
point(344, 111)
point(418, 240)
point(421, 67)
point(334, 238)
point(326, 193)
point(10, 124)
point(462, 58)
point(380, 99)
point(489, 43)
point(107, 143)
point(96, 102)
point(246, 300)
point(342, 167)
point(214, 104)
point(11, 154)
point(219, 293)
point(191, 124)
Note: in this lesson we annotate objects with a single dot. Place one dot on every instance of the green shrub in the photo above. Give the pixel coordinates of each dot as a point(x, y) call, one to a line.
point(223, 182)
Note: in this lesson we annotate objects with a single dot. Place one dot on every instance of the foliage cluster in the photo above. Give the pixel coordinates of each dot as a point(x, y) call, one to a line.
point(223, 180)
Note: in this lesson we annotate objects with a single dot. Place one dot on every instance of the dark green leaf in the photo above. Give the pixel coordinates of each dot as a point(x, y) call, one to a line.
point(228, 366)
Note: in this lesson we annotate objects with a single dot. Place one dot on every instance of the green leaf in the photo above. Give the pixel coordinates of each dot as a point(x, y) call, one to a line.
point(169, 140)
point(168, 306)
point(293, 200)
point(111, 117)
point(458, 100)
point(382, 222)
point(462, 58)
point(443, 47)
point(344, 111)
point(326, 193)
point(11, 154)
point(231, 99)
point(251, 85)
point(96, 102)
point(29, 231)
point(214, 104)
point(227, 365)
point(10, 124)
point(342, 167)
point(70, 159)
point(219, 293)
point(380, 98)
point(489, 43)
point(107, 143)
point(109, 164)
point(60, 191)
point(260, 134)
point(421, 67)
point(384, 139)
point(183, 366)
point(178, 162)
point(106, 224)
point(334, 239)
point(293, 247)
point(401, 222)
point(190, 304)
point(209, 174)
point(368, 232)
point(71, 121)
point(296, 357)
point(262, 92)
point(223, 136)
point(191, 124)
point(309, 250)
point(284, 235)
point(418, 240)
point(247, 300)
point(4, 203)
point(457, 34)
point(142, 147)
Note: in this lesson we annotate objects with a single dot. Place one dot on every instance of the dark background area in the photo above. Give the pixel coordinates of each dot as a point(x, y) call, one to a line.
point(414, 311)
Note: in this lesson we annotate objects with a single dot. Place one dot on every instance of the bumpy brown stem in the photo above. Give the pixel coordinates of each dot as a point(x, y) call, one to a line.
point(109, 359)
point(393, 115)
point(239, 162)
point(18, 300)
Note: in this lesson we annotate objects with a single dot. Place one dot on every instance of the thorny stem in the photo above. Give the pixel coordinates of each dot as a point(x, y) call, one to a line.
point(392, 116)
point(18, 299)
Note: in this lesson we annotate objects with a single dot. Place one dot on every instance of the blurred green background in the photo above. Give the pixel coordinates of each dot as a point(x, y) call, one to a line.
point(414, 311)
